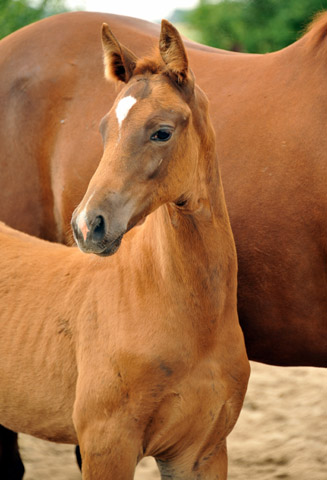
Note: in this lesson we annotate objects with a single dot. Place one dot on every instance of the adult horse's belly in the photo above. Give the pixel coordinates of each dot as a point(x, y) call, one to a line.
point(268, 115)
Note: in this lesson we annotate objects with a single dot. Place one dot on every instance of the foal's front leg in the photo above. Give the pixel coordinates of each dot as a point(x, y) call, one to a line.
point(109, 441)
point(208, 467)
point(105, 455)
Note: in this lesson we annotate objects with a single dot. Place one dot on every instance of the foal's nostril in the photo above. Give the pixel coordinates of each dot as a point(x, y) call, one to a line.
point(98, 228)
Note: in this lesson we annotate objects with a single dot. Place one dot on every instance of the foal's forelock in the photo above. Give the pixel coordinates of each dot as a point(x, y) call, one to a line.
point(145, 71)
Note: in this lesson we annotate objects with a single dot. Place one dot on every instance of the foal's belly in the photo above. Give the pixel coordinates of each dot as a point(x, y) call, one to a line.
point(39, 408)
point(37, 380)
point(45, 425)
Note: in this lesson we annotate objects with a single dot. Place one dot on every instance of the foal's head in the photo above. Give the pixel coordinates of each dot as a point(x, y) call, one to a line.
point(154, 136)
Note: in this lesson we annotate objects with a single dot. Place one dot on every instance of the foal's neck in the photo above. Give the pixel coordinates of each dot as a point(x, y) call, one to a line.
point(194, 242)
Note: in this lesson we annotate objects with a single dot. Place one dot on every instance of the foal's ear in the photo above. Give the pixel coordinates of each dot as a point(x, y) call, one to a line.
point(119, 61)
point(173, 53)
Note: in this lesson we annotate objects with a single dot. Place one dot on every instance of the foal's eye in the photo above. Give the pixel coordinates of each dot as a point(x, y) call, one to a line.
point(161, 135)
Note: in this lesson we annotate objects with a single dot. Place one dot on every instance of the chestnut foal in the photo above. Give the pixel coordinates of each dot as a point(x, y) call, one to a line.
point(140, 353)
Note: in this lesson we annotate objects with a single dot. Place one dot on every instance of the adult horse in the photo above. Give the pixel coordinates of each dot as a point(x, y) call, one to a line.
point(140, 353)
point(269, 116)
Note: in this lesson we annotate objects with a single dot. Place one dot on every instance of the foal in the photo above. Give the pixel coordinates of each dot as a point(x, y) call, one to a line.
point(140, 353)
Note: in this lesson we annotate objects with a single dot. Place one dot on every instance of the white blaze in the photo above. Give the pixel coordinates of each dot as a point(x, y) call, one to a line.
point(123, 107)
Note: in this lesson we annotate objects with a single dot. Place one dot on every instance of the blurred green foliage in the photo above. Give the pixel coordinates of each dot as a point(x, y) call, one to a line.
point(256, 26)
point(15, 14)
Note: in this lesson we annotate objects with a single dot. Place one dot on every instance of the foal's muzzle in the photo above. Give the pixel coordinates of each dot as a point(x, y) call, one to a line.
point(94, 234)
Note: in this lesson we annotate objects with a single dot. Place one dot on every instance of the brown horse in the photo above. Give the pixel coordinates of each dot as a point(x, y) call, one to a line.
point(140, 353)
point(269, 116)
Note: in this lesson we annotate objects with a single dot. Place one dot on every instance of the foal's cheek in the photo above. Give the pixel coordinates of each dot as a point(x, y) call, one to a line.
point(154, 167)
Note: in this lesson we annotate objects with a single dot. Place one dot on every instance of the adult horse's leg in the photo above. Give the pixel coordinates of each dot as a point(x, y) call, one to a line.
point(11, 465)
point(78, 456)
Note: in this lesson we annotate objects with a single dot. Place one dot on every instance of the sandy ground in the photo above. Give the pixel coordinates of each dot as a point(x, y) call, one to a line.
point(281, 433)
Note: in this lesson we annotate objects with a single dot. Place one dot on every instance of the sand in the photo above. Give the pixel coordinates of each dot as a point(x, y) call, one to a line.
point(281, 433)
